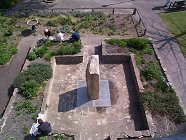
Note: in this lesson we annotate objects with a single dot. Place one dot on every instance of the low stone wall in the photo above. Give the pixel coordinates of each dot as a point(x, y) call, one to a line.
point(114, 59)
point(69, 59)
point(146, 114)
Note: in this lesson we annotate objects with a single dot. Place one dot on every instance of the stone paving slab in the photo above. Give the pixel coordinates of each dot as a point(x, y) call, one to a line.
point(83, 98)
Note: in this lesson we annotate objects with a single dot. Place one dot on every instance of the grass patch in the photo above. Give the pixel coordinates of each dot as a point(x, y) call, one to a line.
point(6, 52)
point(177, 25)
point(164, 103)
point(6, 48)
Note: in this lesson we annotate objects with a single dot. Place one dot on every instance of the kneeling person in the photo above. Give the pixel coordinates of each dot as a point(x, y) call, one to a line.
point(44, 127)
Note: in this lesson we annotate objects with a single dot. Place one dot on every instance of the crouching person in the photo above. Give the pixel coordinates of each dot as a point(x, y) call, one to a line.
point(44, 127)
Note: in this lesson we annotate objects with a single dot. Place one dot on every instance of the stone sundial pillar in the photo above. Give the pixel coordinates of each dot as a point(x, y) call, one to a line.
point(93, 77)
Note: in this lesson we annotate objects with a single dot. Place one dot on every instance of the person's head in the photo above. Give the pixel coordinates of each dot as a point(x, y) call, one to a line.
point(46, 30)
point(58, 31)
point(72, 31)
point(40, 121)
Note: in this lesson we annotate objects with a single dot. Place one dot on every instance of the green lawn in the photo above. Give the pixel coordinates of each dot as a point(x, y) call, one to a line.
point(176, 23)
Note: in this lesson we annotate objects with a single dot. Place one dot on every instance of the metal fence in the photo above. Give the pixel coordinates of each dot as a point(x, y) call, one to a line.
point(133, 12)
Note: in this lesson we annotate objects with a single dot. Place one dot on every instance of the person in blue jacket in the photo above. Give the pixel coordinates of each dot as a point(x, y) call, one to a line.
point(74, 36)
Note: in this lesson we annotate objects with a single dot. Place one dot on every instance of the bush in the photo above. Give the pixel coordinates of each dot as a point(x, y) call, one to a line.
point(67, 50)
point(29, 88)
point(46, 43)
point(119, 42)
point(138, 43)
point(162, 86)
point(6, 52)
point(31, 56)
point(37, 72)
point(26, 107)
point(52, 22)
point(48, 56)
point(8, 3)
point(8, 33)
point(151, 71)
point(40, 52)
point(164, 104)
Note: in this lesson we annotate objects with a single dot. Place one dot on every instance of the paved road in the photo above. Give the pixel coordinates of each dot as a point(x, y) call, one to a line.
point(9, 73)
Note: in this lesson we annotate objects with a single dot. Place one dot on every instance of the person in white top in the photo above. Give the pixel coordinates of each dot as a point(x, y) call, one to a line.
point(59, 36)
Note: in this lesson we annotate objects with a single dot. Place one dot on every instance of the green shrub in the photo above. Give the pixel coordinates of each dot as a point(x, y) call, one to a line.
point(37, 72)
point(67, 51)
point(162, 86)
point(64, 20)
point(26, 107)
point(29, 88)
point(164, 104)
point(8, 33)
point(112, 27)
point(138, 43)
point(6, 52)
point(31, 56)
point(40, 52)
point(8, 3)
point(52, 22)
point(48, 56)
point(119, 42)
point(151, 71)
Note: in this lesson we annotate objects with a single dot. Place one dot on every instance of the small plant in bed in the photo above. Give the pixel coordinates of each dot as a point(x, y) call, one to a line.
point(6, 52)
point(29, 81)
point(47, 49)
point(119, 42)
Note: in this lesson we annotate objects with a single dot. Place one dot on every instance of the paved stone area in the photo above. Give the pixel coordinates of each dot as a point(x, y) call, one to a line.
point(92, 123)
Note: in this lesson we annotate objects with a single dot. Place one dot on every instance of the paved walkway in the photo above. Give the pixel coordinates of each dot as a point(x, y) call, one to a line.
point(9, 73)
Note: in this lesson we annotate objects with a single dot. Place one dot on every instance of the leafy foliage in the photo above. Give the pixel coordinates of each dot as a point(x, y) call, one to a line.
point(52, 22)
point(29, 81)
point(37, 72)
point(8, 3)
point(6, 52)
point(61, 48)
point(31, 56)
point(6, 48)
point(164, 103)
point(150, 71)
point(162, 86)
point(29, 88)
point(119, 42)
point(138, 43)
point(26, 107)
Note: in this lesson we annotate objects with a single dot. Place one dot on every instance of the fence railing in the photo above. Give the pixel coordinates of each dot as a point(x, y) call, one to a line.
point(137, 21)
